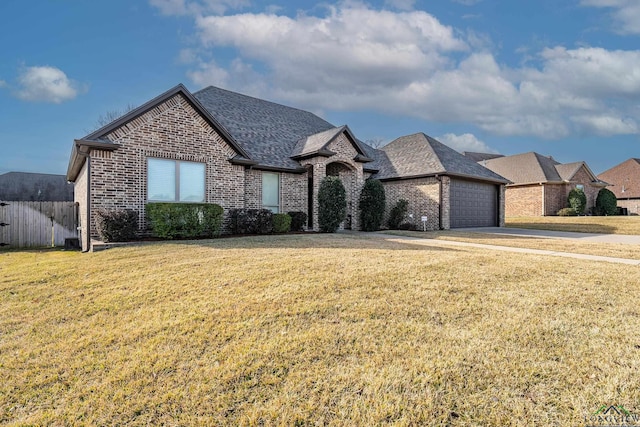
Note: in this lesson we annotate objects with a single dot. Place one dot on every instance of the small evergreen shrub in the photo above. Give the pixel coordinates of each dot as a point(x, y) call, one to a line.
point(397, 214)
point(117, 225)
point(298, 220)
point(406, 226)
point(577, 200)
point(332, 201)
point(281, 223)
point(371, 205)
point(184, 220)
point(606, 202)
point(567, 212)
point(251, 221)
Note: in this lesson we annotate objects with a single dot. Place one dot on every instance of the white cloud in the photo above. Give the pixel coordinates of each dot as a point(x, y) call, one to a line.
point(465, 142)
point(408, 63)
point(626, 13)
point(46, 84)
point(3, 83)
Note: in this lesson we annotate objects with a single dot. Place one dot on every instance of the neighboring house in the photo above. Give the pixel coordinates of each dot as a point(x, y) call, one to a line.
point(217, 146)
point(625, 184)
point(33, 187)
point(540, 185)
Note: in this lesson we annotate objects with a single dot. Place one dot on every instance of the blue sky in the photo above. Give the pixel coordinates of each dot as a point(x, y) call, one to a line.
point(560, 77)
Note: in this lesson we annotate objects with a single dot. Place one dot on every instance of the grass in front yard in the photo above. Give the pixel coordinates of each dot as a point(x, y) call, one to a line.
point(582, 224)
point(617, 250)
point(307, 330)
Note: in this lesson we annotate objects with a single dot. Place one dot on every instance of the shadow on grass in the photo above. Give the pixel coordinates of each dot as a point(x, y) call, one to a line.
point(359, 241)
point(573, 228)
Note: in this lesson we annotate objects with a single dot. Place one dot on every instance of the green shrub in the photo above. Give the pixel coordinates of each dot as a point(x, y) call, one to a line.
point(567, 212)
point(397, 214)
point(298, 220)
point(407, 226)
point(577, 200)
point(251, 221)
point(332, 204)
point(606, 202)
point(184, 220)
point(371, 205)
point(281, 223)
point(117, 225)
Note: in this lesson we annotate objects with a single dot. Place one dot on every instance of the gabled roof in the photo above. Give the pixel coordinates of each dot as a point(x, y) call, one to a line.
point(624, 179)
point(98, 139)
point(317, 144)
point(478, 157)
point(534, 168)
point(25, 186)
point(268, 132)
point(420, 155)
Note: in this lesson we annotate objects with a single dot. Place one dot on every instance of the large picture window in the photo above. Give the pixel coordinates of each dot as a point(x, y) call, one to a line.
point(271, 191)
point(175, 181)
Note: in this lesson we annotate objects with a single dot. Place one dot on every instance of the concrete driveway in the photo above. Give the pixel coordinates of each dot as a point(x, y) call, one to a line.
point(548, 234)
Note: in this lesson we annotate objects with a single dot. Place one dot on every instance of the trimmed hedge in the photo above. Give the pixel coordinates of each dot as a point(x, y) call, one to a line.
point(397, 214)
point(371, 205)
point(567, 212)
point(117, 225)
point(281, 223)
point(332, 204)
point(606, 202)
point(251, 221)
point(184, 220)
point(298, 220)
point(577, 200)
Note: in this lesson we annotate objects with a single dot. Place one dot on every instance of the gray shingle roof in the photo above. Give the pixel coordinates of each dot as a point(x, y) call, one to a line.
point(478, 157)
point(421, 155)
point(24, 186)
point(525, 168)
point(267, 131)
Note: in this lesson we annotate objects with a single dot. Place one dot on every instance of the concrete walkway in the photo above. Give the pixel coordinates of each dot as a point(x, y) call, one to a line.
point(563, 235)
point(439, 243)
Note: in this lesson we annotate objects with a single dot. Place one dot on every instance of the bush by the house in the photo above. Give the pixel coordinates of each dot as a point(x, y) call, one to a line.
point(332, 204)
point(371, 205)
point(116, 225)
point(567, 212)
point(251, 221)
point(184, 220)
point(407, 226)
point(606, 202)
point(577, 200)
point(397, 214)
point(281, 223)
point(298, 220)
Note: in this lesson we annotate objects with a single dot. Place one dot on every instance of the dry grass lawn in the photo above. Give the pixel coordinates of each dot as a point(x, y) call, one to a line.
point(313, 330)
point(581, 224)
point(617, 250)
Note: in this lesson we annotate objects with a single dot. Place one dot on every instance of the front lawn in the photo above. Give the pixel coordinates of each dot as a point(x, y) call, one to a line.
point(313, 330)
point(582, 224)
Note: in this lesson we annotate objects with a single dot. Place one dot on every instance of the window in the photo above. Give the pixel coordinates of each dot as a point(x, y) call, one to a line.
point(175, 181)
point(580, 187)
point(271, 191)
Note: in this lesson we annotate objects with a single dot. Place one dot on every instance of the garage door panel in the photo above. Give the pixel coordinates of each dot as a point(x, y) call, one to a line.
point(473, 204)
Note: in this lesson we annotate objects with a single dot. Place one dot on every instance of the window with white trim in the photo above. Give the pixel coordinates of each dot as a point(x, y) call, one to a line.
point(175, 181)
point(271, 191)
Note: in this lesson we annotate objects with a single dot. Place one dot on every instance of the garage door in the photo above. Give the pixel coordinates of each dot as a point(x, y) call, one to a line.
point(473, 204)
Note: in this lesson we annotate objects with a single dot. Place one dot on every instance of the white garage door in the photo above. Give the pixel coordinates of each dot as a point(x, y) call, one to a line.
point(473, 204)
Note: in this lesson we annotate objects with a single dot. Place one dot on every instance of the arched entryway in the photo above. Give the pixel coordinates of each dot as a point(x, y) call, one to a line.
point(348, 177)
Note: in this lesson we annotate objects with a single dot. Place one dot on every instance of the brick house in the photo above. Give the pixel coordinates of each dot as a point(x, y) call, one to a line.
point(217, 146)
point(540, 185)
point(625, 184)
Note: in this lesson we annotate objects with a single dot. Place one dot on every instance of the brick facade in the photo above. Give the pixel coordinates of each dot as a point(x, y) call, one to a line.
point(423, 195)
point(547, 199)
point(632, 205)
point(80, 196)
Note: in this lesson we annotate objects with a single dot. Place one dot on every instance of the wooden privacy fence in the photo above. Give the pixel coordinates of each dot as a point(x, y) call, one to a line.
point(37, 224)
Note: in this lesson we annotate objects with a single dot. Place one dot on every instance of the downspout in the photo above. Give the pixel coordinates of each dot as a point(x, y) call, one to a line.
point(88, 202)
point(439, 202)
